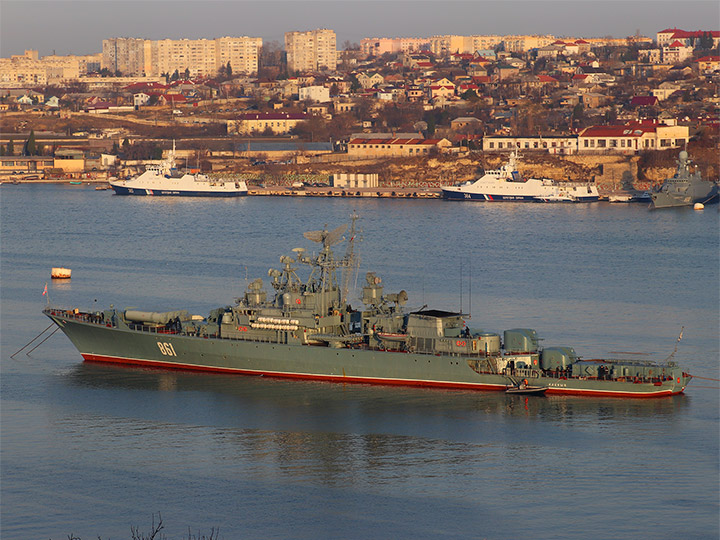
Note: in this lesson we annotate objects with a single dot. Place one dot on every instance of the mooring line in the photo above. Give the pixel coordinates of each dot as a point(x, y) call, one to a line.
point(43, 341)
point(705, 378)
point(33, 339)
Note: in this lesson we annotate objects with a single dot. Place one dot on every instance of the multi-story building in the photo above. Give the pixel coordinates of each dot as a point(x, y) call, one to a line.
point(133, 56)
point(29, 69)
point(22, 70)
point(277, 123)
point(380, 145)
point(669, 35)
point(675, 52)
point(241, 53)
point(632, 137)
point(314, 50)
point(553, 144)
point(380, 46)
point(126, 55)
point(522, 44)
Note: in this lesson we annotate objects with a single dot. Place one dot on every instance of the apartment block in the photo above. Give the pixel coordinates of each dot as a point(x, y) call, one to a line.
point(29, 69)
point(201, 57)
point(380, 46)
point(126, 55)
point(314, 50)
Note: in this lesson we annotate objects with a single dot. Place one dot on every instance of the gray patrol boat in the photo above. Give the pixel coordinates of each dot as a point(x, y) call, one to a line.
point(308, 330)
point(684, 188)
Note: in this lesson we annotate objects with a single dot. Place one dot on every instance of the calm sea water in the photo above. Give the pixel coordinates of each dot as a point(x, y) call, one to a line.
point(93, 450)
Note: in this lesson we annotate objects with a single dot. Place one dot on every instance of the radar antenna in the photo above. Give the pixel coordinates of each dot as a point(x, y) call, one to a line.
point(326, 238)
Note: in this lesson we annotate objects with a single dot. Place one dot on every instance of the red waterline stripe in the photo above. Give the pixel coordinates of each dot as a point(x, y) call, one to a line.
point(360, 380)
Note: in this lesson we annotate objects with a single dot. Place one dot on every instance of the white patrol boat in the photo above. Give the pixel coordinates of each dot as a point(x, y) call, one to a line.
point(166, 179)
point(507, 184)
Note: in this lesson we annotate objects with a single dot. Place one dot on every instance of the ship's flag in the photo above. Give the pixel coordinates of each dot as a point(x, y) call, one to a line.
point(45, 291)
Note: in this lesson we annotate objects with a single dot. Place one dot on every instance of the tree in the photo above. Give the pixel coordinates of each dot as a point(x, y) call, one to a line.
point(470, 95)
point(10, 148)
point(157, 152)
point(175, 76)
point(30, 146)
point(578, 115)
point(228, 70)
point(187, 73)
point(706, 41)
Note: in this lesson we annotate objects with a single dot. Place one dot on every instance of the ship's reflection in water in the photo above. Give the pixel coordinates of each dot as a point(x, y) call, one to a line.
point(361, 434)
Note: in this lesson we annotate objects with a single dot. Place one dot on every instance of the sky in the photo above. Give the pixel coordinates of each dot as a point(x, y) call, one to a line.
point(78, 27)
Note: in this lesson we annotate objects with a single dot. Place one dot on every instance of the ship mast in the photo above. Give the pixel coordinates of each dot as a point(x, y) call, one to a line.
point(351, 261)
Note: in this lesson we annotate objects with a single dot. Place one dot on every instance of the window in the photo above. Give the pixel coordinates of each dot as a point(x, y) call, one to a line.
point(622, 143)
point(592, 143)
point(679, 142)
point(8, 163)
point(535, 144)
point(665, 142)
point(601, 143)
point(500, 145)
point(491, 145)
point(613, 143)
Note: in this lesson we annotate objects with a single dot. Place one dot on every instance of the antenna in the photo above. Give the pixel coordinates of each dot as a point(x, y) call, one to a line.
point(461, 285)
point(470, 288)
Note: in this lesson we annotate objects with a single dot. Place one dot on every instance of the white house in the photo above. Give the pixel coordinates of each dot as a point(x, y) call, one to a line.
point(140, 99)
point(632, 137)
point(368, 80)
point(676, 52)
point(318, 94)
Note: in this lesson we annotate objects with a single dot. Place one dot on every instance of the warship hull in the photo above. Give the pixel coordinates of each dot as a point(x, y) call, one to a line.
point(98, 341)
point(705, 194)
point(684, 188)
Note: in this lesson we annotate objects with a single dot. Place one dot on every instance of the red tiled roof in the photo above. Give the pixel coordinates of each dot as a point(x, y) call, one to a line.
point(676, 43)
point(682, 34)
point(546, 79)
point(709, 59)
point(643, 100)
point(175, 97)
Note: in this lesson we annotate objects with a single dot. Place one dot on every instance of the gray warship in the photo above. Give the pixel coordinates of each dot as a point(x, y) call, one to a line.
point(308, 330)
point(684, 188)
